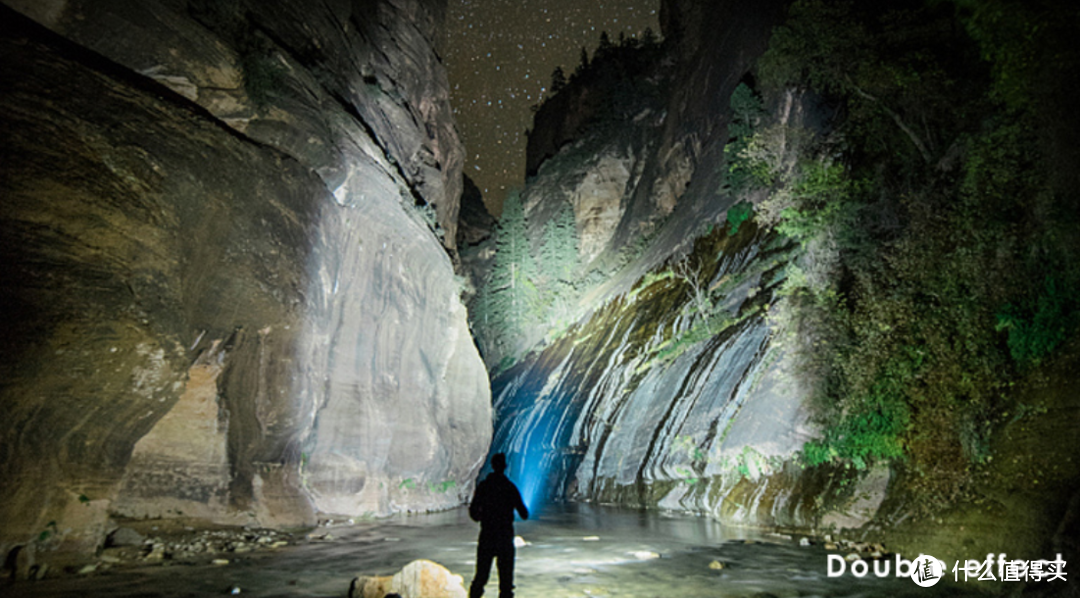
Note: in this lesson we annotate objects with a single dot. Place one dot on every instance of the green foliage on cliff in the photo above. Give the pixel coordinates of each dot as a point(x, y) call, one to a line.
point(509, 299)
point(737, 214)
point(264, 75)
point(936, 264)
point(746, 115)
point(1039, 326)
point(559, 246)
point(528, 291)
point(559, 282)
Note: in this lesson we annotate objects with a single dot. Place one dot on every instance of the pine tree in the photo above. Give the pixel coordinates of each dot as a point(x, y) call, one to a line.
point(514, 300)
point(605, 45)
point(558, 79)
point(649, 37)
point(559, 246)
point(583, 65)
point(559, 264)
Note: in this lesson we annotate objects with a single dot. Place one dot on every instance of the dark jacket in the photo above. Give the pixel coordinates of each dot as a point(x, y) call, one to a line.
point(494, 503)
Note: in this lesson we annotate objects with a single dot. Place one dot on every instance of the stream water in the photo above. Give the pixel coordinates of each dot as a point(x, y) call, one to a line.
point(573, 551)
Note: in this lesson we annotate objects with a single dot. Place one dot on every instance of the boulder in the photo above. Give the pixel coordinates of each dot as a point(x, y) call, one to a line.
point(418, 579)
point(125, 536)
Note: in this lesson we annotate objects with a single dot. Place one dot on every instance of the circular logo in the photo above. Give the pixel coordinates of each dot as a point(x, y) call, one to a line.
point(926, 571)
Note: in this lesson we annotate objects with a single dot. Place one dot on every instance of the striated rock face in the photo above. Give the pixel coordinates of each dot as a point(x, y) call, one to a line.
point(638, 138)
point(649, 401)
point(223, 289)
point(631, 408)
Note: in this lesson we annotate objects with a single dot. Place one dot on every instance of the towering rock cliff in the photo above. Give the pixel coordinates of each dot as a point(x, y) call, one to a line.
point(790, 307)
point(654, 398)
point(224, 293)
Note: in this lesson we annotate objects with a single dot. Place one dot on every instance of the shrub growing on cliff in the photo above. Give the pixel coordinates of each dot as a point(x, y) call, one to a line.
point(746, 115)
point(737, 214)
point(934, 204)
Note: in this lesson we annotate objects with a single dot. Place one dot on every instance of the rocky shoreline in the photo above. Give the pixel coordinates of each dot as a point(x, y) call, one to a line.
point(144, 543)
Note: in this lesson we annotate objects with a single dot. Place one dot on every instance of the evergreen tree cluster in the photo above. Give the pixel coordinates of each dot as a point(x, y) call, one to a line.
point(528, 291)
point(618, 68)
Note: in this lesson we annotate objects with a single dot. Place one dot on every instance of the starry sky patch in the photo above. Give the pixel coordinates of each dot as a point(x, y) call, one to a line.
point(500, 55)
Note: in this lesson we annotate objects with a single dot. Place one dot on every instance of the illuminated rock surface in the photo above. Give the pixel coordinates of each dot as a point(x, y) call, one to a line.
point(219, 299)
point(627, 407)
point(650, 400)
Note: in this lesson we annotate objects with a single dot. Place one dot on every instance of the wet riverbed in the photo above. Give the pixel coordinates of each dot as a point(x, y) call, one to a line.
point(573, 551)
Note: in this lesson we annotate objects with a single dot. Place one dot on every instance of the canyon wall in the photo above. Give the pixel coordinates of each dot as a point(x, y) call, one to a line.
point(731, 348)
point(673, 389)
point(227, 285)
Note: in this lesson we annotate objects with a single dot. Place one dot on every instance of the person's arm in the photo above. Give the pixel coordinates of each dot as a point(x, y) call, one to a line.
point(520, 506)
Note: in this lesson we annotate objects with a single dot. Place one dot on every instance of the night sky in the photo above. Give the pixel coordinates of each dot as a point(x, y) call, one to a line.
point(500, 55)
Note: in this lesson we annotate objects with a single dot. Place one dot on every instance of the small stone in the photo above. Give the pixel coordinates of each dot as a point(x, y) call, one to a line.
point(157, 553)
point(219, 562)
point(279, 544)
point(875, 555)
point(716, 565)
point(88, 569)
point(804, 542)
point(519, 542)
point(828, 538)
point(645, 555)
point(852, 557)
point(235, 590)
point(830, 546)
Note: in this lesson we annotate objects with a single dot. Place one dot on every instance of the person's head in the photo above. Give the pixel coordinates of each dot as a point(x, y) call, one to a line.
point(498, 462)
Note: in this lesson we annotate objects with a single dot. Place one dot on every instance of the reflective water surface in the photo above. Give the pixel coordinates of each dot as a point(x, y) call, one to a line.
point(572, 551)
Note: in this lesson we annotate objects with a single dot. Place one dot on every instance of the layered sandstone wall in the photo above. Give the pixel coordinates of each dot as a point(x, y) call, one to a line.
point(228, 288)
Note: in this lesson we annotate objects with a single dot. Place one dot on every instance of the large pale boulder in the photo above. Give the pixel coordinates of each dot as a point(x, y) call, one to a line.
point(418, 579)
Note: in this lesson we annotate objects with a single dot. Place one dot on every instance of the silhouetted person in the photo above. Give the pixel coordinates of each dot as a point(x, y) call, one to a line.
point(493, 506)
